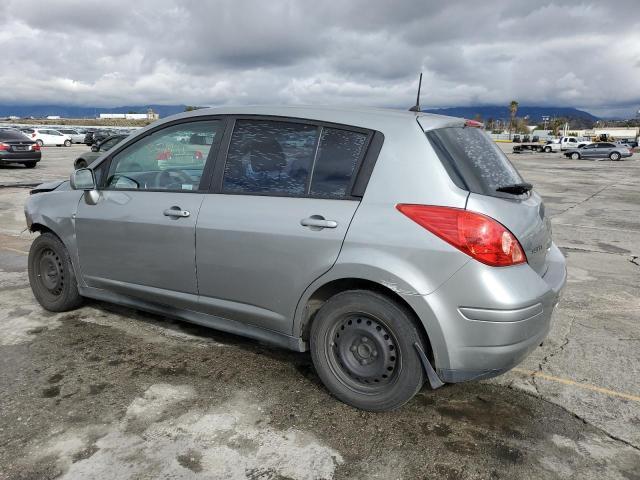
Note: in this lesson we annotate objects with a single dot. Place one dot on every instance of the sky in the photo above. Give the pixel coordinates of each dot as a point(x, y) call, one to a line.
point(583, 54)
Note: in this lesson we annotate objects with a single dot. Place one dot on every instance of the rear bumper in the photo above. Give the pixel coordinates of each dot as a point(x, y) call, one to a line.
point(20, 157)
point(490, 318)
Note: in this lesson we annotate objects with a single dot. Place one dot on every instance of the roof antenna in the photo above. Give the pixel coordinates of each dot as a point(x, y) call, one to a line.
point(416, 107)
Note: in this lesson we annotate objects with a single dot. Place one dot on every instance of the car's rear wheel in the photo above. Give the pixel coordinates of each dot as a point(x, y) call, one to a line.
point(363, 348)
point(30, 164)
point(547, 149)
point(51, 274)
point(40, 143)
point(615, 156)
point(67, 143)
point(575, 156)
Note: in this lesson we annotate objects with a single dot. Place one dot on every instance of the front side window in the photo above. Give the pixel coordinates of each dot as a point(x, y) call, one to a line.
point(172, 158)
point(270, 157)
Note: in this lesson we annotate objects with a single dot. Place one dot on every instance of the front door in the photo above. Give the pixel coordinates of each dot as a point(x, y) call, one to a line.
point(278, 218)
point(139, 239)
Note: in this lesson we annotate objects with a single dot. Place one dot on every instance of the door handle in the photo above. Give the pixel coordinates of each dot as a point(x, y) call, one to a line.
point(317, 222)
point(176, 212)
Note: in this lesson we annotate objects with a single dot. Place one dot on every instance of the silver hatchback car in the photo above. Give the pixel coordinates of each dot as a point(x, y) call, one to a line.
point(397, 247)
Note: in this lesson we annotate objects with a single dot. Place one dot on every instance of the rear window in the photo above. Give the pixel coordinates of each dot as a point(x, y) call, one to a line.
point(474, 161)
point(12, 135)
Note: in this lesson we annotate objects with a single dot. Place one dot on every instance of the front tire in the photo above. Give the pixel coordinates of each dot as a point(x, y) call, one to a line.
point(80, 163)
point(615, 156)
point(575, 156)
point(363, 348)
point(547, 149)
point(40, 143)
point(67, 143)
point(51, 275)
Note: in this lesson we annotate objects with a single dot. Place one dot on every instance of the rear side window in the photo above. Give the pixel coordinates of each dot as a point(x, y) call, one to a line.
point(339, 152)
point(270, 157)
point(474, 161)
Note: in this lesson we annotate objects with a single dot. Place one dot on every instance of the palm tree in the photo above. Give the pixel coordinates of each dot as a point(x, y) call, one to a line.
point(513, 109)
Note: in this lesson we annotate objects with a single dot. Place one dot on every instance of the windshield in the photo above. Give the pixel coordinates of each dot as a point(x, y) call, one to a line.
point(473, 159)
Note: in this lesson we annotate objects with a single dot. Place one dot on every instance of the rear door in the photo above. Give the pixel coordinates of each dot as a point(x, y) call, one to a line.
point(277, 217)
point(480, 167)
point(139, 239)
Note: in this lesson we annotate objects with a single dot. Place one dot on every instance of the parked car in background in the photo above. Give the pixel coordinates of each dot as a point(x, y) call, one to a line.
point(96, 136)
point(98, 149)
point(551, 146)
point(298, 226)
point(47, 137)
point(75, 135)
point(15, 147)
point(88, 137)
point(628, 143)
point(599, 150)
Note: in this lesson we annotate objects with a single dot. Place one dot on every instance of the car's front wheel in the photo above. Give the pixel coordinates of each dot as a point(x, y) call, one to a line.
point(80, 163)
point(615, 156)
point(547, 149)
point(40, 143)
point(363, 348)
point(51, 274)
point(575, 156)
point(67, 143)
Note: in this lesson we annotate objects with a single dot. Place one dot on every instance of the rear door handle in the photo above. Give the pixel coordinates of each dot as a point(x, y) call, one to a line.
point(176, 212)
point(318, 222)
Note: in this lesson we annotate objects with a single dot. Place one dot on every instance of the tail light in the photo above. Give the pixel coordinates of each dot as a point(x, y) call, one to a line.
point(35, 147)
point(473, 123)
point(4, 146)
point(477, 235)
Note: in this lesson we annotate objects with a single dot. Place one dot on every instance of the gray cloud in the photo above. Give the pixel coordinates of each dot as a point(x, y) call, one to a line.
point(577, 53)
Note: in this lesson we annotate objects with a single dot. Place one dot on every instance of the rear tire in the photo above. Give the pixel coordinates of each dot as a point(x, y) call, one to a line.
point(51, 275)
point(30, 164)
point(615, 156)
point(575, 156)
point(362, 346)
point(67, 143)
point(40, 143)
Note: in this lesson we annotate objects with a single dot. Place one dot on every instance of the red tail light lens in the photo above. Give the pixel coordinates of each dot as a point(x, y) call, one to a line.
point(4, 146)
point(477, 235)
point(35, 147)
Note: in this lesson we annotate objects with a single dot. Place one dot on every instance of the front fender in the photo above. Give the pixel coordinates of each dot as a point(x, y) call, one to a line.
point(55, 211)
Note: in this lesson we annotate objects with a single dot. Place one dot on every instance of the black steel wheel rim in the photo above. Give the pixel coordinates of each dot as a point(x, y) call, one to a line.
point(50, 272)
point(363, 353)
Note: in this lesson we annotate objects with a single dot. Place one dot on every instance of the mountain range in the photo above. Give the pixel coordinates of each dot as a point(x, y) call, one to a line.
point(535, 114)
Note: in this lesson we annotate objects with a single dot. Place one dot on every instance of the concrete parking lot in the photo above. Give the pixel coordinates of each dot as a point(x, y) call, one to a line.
point(107, 392)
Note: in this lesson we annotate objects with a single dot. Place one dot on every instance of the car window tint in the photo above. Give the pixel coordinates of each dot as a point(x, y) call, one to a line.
point(169, 159)
point(338, 154)
point(270, 157)
point(470, 156)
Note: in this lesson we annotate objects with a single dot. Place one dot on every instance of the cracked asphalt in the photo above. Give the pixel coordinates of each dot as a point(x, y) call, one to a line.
point(110, 393)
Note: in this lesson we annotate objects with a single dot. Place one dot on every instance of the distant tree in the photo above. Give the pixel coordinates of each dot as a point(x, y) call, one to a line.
point(513, 109)
point(191, 108)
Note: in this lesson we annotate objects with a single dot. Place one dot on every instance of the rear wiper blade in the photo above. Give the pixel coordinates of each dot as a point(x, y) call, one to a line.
point(515, 188)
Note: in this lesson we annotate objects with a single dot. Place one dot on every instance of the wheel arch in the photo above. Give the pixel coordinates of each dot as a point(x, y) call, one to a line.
point(319, 293)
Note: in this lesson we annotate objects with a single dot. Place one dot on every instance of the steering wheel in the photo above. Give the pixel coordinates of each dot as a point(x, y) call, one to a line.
point(172, 179)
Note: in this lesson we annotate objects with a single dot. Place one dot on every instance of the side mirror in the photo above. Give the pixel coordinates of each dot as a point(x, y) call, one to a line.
point(83, 179)
point(94, 148)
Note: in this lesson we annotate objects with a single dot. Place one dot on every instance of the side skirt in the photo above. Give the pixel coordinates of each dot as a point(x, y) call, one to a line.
point(204, 319)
